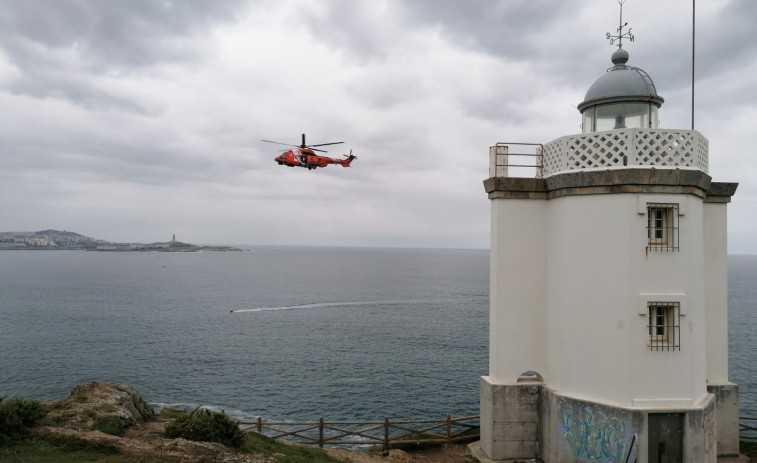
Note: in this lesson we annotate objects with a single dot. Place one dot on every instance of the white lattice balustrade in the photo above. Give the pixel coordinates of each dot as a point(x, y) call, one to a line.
point(625, 148)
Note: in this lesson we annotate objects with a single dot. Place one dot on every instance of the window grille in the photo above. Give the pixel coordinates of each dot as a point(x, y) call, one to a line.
point(664, 325)
point(662, 226)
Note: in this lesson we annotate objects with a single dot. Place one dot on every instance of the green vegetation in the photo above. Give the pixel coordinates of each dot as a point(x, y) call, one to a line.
point(748, 447)
point(110, 424)
point(286, 453)
point(74, 450)
point(207, 426)
point(17, 417)
point(20, 443)
point(66, 450)
point(422, 441)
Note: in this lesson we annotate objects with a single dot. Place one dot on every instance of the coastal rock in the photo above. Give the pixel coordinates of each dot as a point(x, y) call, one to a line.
point(89, 402)
point(144, 437)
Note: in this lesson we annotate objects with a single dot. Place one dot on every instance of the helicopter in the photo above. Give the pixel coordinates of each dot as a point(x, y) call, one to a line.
point(305, 156)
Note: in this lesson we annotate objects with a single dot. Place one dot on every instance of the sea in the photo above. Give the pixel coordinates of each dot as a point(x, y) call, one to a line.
point(285, 333)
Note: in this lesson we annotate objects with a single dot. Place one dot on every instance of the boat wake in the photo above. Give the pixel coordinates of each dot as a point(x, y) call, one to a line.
point(321, 305)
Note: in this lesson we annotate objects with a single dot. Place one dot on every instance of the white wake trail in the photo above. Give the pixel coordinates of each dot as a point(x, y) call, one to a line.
point(344, 304)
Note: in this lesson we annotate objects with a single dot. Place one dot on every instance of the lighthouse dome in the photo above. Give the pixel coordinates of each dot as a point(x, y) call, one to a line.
point(622, 97)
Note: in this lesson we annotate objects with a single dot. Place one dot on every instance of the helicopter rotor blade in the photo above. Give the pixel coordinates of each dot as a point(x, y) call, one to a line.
point(278, 143)
point(324, 144)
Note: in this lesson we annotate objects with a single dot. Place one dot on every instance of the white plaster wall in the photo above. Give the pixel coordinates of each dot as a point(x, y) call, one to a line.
point(598, 266)
point(716, 291)
point(590, 297)
point(517, 289)
point(677, 378)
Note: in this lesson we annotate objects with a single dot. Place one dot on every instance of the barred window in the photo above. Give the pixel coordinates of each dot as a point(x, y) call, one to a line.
point(662, 226)
point(664, 325)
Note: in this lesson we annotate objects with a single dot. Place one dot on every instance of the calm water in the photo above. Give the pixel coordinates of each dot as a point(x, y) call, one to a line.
point(742, 329)
point(340, 333)
point(334, 332)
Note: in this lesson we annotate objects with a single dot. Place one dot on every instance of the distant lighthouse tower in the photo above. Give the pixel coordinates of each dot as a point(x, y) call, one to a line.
point(608, 291)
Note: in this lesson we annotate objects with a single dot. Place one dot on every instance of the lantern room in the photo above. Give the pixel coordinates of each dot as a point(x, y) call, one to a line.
point(624, 97)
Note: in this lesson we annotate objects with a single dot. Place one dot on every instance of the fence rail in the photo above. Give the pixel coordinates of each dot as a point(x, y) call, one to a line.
point(748, 428)
point(385, 433)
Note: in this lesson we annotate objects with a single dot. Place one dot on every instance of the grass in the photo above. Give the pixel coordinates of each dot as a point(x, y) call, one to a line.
point(61, 450)
point(288, 453)
point(75, 450)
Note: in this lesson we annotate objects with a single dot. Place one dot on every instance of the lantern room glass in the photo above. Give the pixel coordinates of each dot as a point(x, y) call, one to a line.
point(620, 116)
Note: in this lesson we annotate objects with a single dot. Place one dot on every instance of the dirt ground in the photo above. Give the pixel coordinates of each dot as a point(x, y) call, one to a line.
point(451, 454)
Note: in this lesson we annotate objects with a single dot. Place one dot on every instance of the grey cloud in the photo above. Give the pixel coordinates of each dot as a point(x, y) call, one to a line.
point(727, 41)
point(347, 25)
point(119, 33)
point(723, 42)
point(57, 46)
point(79, 91)
point(161, 123)
point(503, 28)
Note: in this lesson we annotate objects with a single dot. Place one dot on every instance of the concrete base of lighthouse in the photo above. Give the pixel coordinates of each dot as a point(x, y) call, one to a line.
point(510, 419)
point(726, 417)
point(528, 421)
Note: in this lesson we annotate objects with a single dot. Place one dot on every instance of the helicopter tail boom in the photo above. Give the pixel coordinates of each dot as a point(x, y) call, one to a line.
point(346, 161)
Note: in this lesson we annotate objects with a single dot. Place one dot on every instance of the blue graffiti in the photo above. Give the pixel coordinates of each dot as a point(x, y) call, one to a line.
point(594, 437)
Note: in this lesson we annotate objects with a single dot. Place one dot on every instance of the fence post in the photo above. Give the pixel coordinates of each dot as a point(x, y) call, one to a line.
point(320, 433)
point(386, 434)
point(449, 430)
point(260, 425)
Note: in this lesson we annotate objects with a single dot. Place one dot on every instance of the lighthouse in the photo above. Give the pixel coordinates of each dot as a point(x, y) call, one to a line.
point(608, 290)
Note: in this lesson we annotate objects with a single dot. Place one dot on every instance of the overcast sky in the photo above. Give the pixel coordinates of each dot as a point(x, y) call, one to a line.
point(132, 120)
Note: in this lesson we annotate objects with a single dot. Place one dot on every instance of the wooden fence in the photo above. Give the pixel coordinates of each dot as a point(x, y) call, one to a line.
point(388, 432)
point(748, 428)
point(384, 433)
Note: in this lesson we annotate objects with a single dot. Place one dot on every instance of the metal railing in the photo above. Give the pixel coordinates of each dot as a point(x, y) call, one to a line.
point(357, 433)
point(503, 163)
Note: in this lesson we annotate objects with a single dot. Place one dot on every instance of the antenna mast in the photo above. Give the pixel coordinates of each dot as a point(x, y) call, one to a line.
point(693, 40)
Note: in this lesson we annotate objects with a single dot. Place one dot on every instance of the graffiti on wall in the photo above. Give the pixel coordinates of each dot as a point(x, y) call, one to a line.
point(592, 434)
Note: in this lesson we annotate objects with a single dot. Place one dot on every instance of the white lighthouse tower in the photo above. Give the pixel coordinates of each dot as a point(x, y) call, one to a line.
point(608, 294)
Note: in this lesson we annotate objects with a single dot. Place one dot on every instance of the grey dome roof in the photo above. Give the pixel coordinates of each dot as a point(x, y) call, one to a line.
point(621, 83)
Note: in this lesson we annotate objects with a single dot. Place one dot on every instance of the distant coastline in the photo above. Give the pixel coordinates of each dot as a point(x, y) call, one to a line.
point(66, 240)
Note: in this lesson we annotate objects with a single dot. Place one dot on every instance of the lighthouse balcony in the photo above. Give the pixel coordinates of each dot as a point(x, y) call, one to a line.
point(619, 148)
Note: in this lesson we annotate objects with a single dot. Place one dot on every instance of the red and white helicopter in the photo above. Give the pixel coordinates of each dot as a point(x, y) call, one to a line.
point(304, 156)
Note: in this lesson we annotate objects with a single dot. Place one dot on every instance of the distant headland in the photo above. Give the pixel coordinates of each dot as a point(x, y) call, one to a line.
point(66, 240)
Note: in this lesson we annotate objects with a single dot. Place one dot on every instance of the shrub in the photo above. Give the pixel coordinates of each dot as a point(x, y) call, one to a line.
point(17, 416)
point(110, 424)
point(207, 426)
